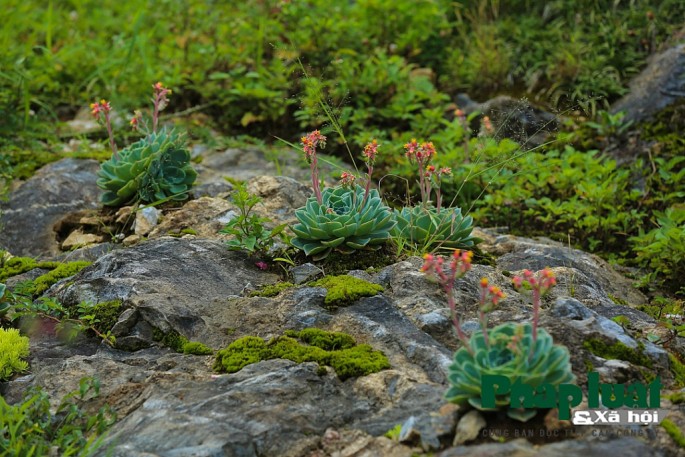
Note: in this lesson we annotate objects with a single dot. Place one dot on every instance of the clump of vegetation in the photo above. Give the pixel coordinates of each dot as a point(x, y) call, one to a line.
point(522, 353)
point(674, 432)
point(171, 339)
point(63, 270)
point(156, 168)
point(247, 228)
point(271, 290)
point(334, 349)
point(197, 348)
point(344, 290)
point(33, 427)
point(17, 265)
point(677, 398)
point(102, 316)
point(618, 351)
point(14, 348)
point(678, 370)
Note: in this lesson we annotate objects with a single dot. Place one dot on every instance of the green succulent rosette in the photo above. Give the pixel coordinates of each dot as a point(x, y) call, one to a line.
point(342, 221)
point(155, 168)
point(509, 354)
point(426, 226)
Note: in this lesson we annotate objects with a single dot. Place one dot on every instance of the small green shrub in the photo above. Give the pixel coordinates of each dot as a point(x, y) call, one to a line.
point(619, 351)
point(343, 290)
point(13, 349)
point(424, 226)
point(248, 228)
point(18, 265)
point(197, 348)
point(34, 428)
point(335, 349)
point(677, 398)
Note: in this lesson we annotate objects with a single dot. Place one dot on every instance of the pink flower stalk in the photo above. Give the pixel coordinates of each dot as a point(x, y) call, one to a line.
point(370, 152)
point(460, 263)
point(309, 144)
point(100, 110)
point(421, 155)
point(159, 101)
point(489, 297)
point(436, 177)
point(539, 283)
point(137, 122)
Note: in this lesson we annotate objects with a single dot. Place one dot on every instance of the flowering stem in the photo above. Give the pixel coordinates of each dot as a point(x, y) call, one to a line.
point(449, 289)
point(112, 144)
point(368, 185)
point(536, 312)
point(316, 185)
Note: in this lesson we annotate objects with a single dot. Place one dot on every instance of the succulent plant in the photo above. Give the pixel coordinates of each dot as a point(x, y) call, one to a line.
point(508, 354)
point(426, 226)
point(343, 221)
point(154, 168)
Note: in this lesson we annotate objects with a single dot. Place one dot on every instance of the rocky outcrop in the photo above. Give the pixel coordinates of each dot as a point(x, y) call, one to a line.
point(56, 190)
point(173, 404)
point(659, 85)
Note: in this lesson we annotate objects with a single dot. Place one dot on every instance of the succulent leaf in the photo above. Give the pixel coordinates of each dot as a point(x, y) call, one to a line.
point(546, 364)
point(154, 168)
point(425, 226)
point(343, 221)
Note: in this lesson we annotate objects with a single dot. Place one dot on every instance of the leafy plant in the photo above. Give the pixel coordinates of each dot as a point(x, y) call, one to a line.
point(13, 349)
point(521, 352)
point(32, 428)
point(345, 218)
point(248, 228)
point(152, 169)
point(428, 225)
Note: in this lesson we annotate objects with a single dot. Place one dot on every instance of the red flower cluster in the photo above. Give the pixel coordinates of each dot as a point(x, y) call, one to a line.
point(421, 153)
point(101, 107)
point(310, 142)
point(370, 151)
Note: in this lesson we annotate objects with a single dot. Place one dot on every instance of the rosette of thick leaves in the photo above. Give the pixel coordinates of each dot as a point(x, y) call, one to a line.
point(425, 226)
point(340, 222)
point(509, 354)
point(154, 168)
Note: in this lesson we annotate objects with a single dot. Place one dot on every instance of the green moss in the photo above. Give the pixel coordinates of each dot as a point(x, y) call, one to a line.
point(329, 341)
point(343, 290)
point(589, 366)
point(14, 348)
point(339, 264)
point(240, 353)
point(189, 231)
point(271, 290)
point(197, 348)
point(394, 433)
point(617, 300)
point(677, 398)
point(107, 313)
point(619, 351)
point(621, 320)
point(63, 270)
point(337, 350)
point(172, 339)
point(18, 265)
point(674, 431)
point(678, 370)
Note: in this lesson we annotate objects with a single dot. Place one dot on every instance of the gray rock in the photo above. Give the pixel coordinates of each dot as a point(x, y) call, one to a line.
point(146, 220)
point(305, 273)
point(175, 284)
point(54, 191)
point(469, 427)
point(659, 85)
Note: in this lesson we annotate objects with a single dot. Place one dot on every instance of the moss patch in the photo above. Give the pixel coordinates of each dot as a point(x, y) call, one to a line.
point(678, 370)
point(619, 351)
point(621, 320)
point(343, 290)
point(63, 270)
point(197, 348)
point(674, 431)
point(271, 290)
point(677, 398)
point(617, 300)
point(337, 350)
point(107, 313)
point(18, 265)
point(337, 263)
point(172, 339)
